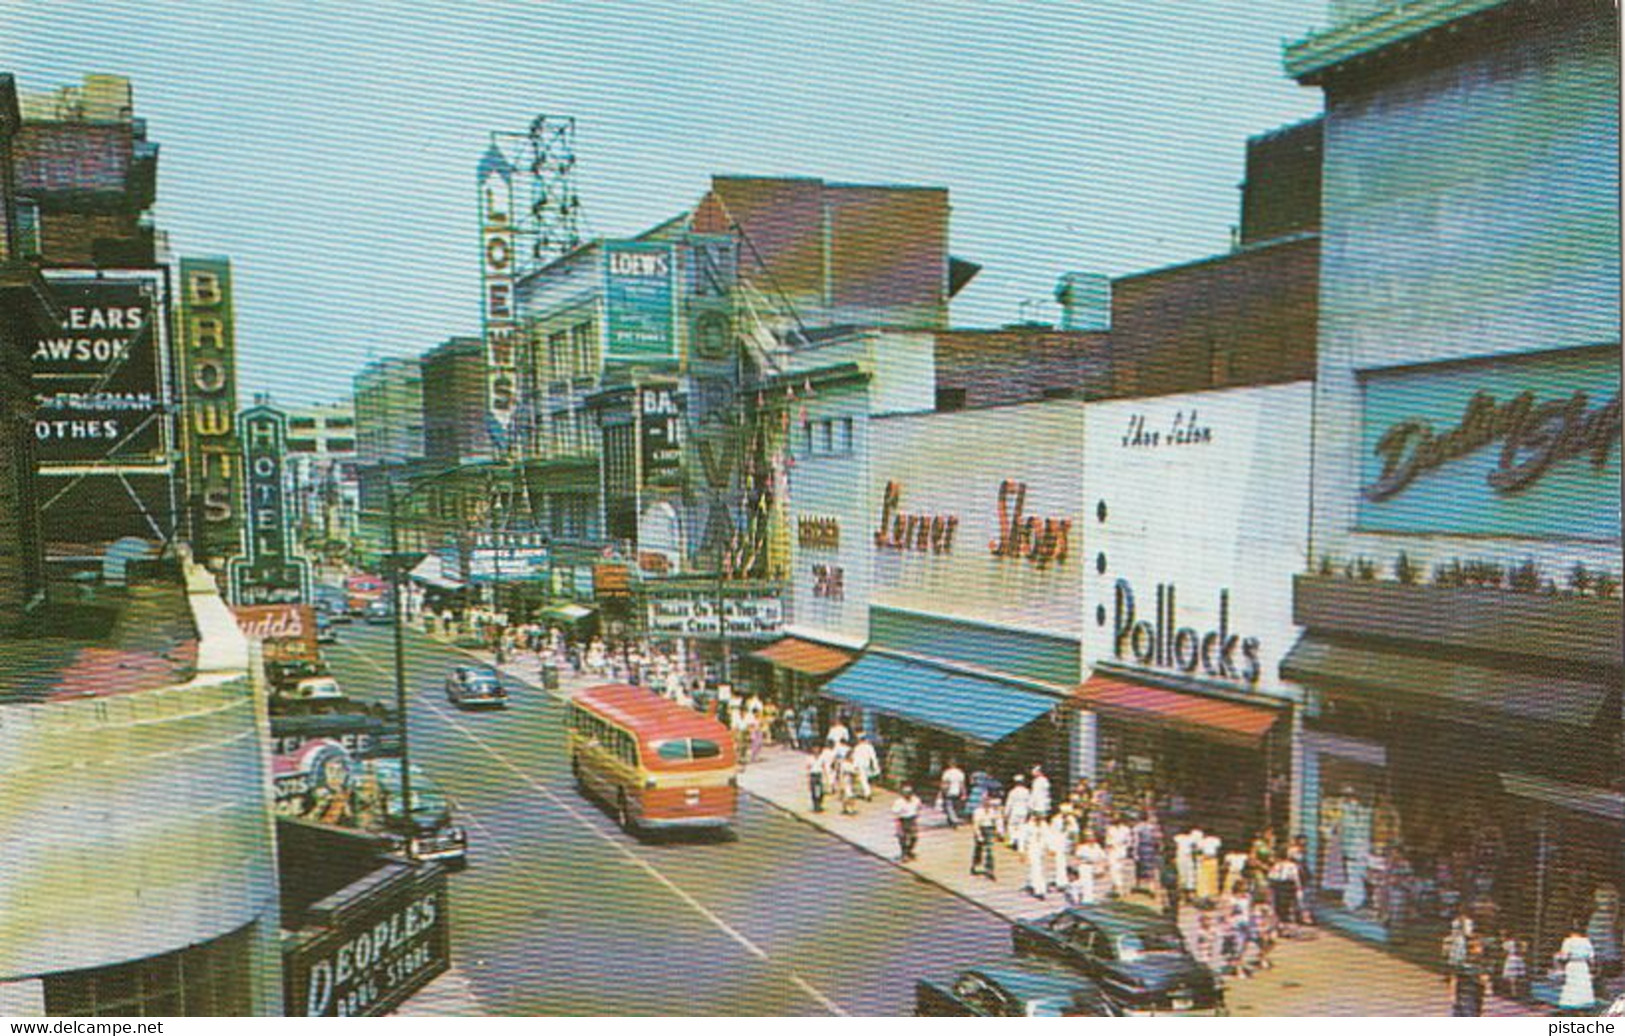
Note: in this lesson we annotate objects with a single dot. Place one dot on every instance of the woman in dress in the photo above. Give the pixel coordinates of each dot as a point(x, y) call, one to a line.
point(1468, 982)
point(1575, 957)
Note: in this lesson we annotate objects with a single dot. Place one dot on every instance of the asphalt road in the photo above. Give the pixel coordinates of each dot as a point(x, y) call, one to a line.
point(560, 912)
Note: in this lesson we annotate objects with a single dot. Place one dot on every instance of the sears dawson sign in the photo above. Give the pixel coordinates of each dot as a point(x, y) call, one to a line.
point(99, 379)
point(377, 952)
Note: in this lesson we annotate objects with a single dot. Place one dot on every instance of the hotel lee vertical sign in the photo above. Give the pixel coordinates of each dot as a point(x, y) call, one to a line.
point(271, 572)
point(209, 384)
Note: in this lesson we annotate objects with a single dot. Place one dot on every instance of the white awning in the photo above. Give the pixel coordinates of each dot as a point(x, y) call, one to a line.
point(429, 573)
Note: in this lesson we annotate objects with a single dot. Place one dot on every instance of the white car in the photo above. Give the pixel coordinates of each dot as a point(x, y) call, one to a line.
point(314, 688)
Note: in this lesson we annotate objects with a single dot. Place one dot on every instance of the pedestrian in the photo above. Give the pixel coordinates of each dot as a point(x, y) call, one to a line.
point(838, 732)
point(1119, 862)
point(1035, 846)
point(1063, 837)
point(1090, 883)
point(1147, 842)
point(1043, 800)
point(984, 822)
point(1208, 944)
point(818, 767)
point(1468, 982)
point(951, 789)
point(907, 811)
point(868, 766)
point(846, 769)
point(1265, 929)
point(1575, 957)
point(1237, 909)
point(758, 730)
point(1017, 806)
point(1514, 969)
point(1283, 882)
point(806, 727)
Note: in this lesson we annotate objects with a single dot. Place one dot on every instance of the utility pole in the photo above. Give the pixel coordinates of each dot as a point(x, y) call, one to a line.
point(400, 652)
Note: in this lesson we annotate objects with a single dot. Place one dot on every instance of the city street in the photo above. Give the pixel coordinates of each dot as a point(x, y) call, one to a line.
point(560, 912)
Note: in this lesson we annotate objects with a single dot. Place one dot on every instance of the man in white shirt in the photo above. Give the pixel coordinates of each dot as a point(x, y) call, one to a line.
point(868, 764)
point(1016, 807)
point(1041, 800)
point(907, 811)
point(838, 735)
point(952, 789)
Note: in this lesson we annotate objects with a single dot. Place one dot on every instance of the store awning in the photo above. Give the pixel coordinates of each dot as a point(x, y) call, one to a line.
point(804, 656)
point(981, 709)
point(1593, 802)
point(1441, 689)
point(1230, 721)
point(430, 573)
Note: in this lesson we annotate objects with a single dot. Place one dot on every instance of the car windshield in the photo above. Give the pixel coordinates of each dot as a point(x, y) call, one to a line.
point(483, 683)
point(1131, 946)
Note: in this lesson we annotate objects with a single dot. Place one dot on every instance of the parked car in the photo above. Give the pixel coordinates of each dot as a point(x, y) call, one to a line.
point(378, 613)
point(1136, 955)
point(430, 831)
point(470, 687)
point(1014, 989)
point(332, 603)
point(325, 633)
point(313, 689)
point(286, 673)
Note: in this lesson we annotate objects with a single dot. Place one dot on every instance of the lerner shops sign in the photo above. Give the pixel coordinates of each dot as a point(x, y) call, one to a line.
point(1526, 446)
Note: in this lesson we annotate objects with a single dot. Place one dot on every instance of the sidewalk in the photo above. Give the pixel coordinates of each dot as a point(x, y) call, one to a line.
point(1320, 972)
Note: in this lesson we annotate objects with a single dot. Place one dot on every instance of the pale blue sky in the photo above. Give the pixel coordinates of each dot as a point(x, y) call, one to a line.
point(329, 149)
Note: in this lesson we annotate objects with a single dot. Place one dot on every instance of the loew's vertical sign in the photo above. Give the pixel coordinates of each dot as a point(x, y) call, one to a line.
point(209, 413)
point(498, 306)
point(271, 572)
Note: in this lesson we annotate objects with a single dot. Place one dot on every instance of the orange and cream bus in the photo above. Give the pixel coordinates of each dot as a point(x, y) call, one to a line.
point(654, 762)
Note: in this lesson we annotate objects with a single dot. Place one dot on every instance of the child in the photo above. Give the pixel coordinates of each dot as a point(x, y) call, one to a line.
point(1514, 971)
point(1207, 944)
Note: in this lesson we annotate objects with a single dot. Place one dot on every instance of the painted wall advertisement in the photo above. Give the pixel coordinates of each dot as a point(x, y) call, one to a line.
point(209, 387)
point(100, 380)
point(1526, 446)
point(271, 572)
point(287, 631)
point(639, 280)
point(975, 516)
point(377, 952)
point(497, 262)
point(660, 436)
point(1197, 511)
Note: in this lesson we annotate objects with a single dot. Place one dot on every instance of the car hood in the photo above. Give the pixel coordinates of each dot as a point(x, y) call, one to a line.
point(1159, 973)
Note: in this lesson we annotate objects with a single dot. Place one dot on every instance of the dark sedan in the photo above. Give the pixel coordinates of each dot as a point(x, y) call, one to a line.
point(468, 687)
point(1138, 957)
point(1013, 989)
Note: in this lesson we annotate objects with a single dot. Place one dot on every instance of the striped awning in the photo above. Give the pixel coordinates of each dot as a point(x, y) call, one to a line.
point(804, 656)
point(1218, 718)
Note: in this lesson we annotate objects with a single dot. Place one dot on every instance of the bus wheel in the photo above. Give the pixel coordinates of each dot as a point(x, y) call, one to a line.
point(623, 814)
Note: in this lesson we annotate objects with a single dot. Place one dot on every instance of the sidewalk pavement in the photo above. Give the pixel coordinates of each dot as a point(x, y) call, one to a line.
point(1320, 972)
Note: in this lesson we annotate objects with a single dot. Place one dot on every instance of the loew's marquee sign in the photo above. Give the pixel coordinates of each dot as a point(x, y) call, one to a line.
point(498, 304)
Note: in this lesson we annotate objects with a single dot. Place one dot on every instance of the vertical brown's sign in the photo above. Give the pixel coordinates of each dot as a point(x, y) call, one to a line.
point(209, 387)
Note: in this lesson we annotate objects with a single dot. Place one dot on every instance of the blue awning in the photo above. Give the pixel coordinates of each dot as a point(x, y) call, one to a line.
point(981, 709)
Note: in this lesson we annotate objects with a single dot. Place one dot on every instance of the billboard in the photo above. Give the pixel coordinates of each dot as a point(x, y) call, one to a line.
point(271, 572)
point(745, 612)
point(287, 631)
point(100, 379)
point(208, 379)
point(660, 441)
point(509, 557)
point(640, 298)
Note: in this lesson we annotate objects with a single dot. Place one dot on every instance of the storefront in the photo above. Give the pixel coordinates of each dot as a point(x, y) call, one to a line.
point(1461, 646)
point(1198, 520)
point(975, 597)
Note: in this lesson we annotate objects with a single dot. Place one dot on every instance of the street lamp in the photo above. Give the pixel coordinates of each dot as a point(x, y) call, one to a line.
point(400, 646)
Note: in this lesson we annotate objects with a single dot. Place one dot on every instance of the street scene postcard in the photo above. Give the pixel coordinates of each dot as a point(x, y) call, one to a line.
point(873, 509)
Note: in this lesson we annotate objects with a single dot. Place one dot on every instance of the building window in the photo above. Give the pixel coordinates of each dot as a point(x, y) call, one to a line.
point(584, 349)
point(826, 436)
point(843, 440)
point(341, 446)
point(558, 356)
point(28, 228)
point(302, 423)
point(950, 399)
point(341, 422)
point(806, 439)
point(301, 445)
point(211, 978)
